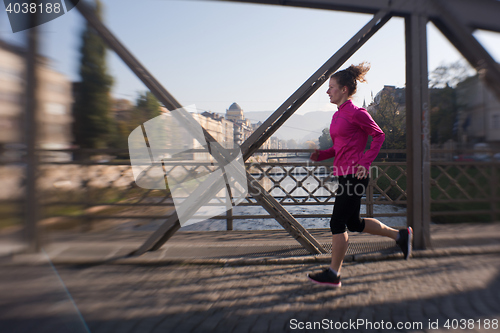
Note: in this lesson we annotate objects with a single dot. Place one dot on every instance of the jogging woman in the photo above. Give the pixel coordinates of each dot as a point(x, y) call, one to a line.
point(349, 130)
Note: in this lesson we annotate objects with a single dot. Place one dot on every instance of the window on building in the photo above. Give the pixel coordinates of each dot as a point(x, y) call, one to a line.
point(10, 97)
point(56, 87)
point(56, 109)
point(6, 123)
point(55, 133)
point(10, 74)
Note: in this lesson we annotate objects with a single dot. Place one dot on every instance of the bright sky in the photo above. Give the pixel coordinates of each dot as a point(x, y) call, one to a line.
point(212, 54)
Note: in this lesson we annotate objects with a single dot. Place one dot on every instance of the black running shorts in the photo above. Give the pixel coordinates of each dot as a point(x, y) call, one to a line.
point(347, 205)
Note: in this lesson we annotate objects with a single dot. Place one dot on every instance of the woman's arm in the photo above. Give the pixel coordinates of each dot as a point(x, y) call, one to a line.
point(370, 127)
point(324, 154)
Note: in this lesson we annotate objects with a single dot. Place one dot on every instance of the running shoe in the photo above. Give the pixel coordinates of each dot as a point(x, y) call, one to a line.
point(326, 277)
point(405, 241)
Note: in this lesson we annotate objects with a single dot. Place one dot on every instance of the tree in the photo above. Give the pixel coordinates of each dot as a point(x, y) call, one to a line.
point(443, 98)
point(391, 117)
point(450, 74)
point(291, 144)
point(444, 112)
point(146, 107)
point(310, 145)
point(325, 140)
point(93, 126)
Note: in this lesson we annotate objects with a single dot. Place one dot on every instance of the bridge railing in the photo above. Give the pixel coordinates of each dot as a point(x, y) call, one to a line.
point(87, 192)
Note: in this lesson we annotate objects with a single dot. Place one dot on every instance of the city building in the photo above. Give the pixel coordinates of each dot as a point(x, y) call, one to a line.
point(221, 129)
point(229, 131)
point(398, 94)
point(479, 113)
point(242, 126)
point(12, 84)
point(54, 97)
point(179, 138)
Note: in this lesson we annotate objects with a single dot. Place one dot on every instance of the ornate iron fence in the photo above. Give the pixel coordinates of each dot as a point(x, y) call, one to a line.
point(81, 193)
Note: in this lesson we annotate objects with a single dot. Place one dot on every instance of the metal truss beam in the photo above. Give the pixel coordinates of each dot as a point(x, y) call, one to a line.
point(223, 156)
point(31, 195)
point(475, 14)
point(417, 130)
point(461, 37)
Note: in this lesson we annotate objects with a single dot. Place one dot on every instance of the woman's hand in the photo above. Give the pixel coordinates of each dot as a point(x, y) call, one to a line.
point(362, 173)
point(314, 156)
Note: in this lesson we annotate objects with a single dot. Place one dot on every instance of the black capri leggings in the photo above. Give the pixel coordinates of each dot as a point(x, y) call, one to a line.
point(347, 205)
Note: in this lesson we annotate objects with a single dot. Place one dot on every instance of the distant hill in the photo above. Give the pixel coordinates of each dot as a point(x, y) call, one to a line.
point(299, 127)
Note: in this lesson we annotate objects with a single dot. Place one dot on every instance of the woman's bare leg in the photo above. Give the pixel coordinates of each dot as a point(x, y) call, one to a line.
point(340, 243)
point(375, 227)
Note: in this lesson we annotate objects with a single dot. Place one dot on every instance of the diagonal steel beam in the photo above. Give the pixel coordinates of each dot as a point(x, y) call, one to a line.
point(461, 37)
point(476, 14)
point(220, 154)
point(300, 96)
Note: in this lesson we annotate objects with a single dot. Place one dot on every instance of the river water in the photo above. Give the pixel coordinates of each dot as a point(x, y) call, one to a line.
point(288, 184)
